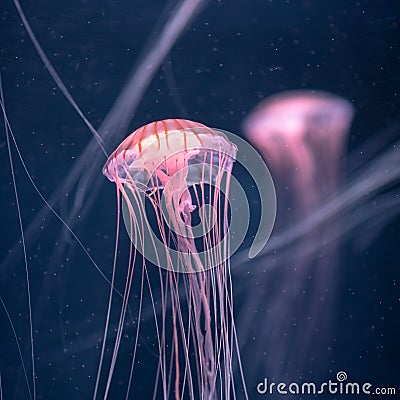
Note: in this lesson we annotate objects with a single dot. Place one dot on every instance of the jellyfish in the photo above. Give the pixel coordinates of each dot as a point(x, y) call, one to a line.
point(302, 135)
point(175, 168)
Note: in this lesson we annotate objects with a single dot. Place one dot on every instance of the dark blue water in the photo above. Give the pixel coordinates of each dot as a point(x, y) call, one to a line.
point(231, 56)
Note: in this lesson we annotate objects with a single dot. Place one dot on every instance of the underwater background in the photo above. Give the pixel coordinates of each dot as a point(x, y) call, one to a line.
point(228, 58)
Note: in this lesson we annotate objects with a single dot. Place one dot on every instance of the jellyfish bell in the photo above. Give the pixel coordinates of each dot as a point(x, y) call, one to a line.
point(152, 148)
point(294, 113)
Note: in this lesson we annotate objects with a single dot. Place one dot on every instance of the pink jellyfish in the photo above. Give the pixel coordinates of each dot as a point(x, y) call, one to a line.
point(302, 136)
point(169, 169)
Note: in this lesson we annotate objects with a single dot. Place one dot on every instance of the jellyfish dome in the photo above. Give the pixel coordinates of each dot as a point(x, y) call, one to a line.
point(164, 147)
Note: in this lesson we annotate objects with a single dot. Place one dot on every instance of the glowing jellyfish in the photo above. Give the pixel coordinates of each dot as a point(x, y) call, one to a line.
point(302, 135)
point(173, 169)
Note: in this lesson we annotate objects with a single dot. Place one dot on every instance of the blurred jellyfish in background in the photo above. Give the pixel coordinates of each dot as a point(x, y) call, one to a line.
point(303, 135)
